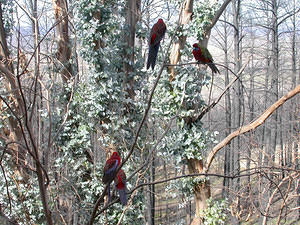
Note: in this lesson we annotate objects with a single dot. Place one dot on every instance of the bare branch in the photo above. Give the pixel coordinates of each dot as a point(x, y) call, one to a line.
point(259, 121)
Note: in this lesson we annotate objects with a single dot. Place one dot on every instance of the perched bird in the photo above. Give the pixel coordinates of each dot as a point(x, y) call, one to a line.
point(156, 35)
point(202, 55)
point(110, 168)
point(120, 183)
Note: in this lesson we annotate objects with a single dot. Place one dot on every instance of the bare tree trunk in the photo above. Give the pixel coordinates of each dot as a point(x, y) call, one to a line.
point(237, 101)
point(184, 18)
point(133, 14)
point(64, 51)
point(37, 102)
point(274, 80)
point(294, 103)
point(295, 106)
point(167, 211)
point(227, 168)
point(151, 219)
point(272, 96)
point(251, 109)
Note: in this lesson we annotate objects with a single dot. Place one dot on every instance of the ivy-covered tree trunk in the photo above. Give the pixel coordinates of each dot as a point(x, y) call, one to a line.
point(201, 190)
point(63, 56)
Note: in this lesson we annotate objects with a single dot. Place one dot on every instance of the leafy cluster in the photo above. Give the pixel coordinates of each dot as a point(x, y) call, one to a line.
point(203, 13)
point(182, 99)
point(19, 199)
point(216, 212)
point(7, 15)
point(100, 103)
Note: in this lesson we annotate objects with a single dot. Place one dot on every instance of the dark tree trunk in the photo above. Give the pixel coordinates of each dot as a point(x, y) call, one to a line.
point(227, 158)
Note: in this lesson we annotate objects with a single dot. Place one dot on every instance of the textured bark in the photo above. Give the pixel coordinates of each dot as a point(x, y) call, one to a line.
point(133, 14)
point(184, 18)
point(272, 96)
point(63, 53)
point(13, 134)
point(201, 190)
point(251, 109)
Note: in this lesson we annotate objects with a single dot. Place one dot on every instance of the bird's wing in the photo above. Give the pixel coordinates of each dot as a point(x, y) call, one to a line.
point(206, 53)
point(157, 33)
point(112, 167)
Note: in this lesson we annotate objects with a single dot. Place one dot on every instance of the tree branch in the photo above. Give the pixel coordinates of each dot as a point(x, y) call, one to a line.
point(259, 121)
point(217, 16)
point(209, 107)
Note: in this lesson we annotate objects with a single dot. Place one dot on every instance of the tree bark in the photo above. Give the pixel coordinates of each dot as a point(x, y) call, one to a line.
point(64, 51)
point(228, 112)
point(201, 190)
point(133, 13)
point(184, 18)
point(63, 56)
point(13, 133)
point(237, 101)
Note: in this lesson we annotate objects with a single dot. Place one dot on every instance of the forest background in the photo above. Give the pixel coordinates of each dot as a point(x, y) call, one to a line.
point(197, 147)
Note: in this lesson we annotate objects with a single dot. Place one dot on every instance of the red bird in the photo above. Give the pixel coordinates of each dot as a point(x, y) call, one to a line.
point(156, 35)
point(110, 168)
point(120, 182)
point(202, 55)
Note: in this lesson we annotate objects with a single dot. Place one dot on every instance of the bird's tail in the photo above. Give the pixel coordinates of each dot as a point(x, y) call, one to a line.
point(153, 50)
point(213, 67)
point(123, 195)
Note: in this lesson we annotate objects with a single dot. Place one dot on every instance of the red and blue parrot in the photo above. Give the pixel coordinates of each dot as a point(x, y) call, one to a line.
point(109, 170)
point(120, 183)
point(202, 55)
point(156, 35)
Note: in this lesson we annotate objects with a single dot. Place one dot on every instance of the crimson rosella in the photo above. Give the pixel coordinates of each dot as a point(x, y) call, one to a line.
point(120, 182)
point(109, 170)
point(202, 55)
point(156, 35)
